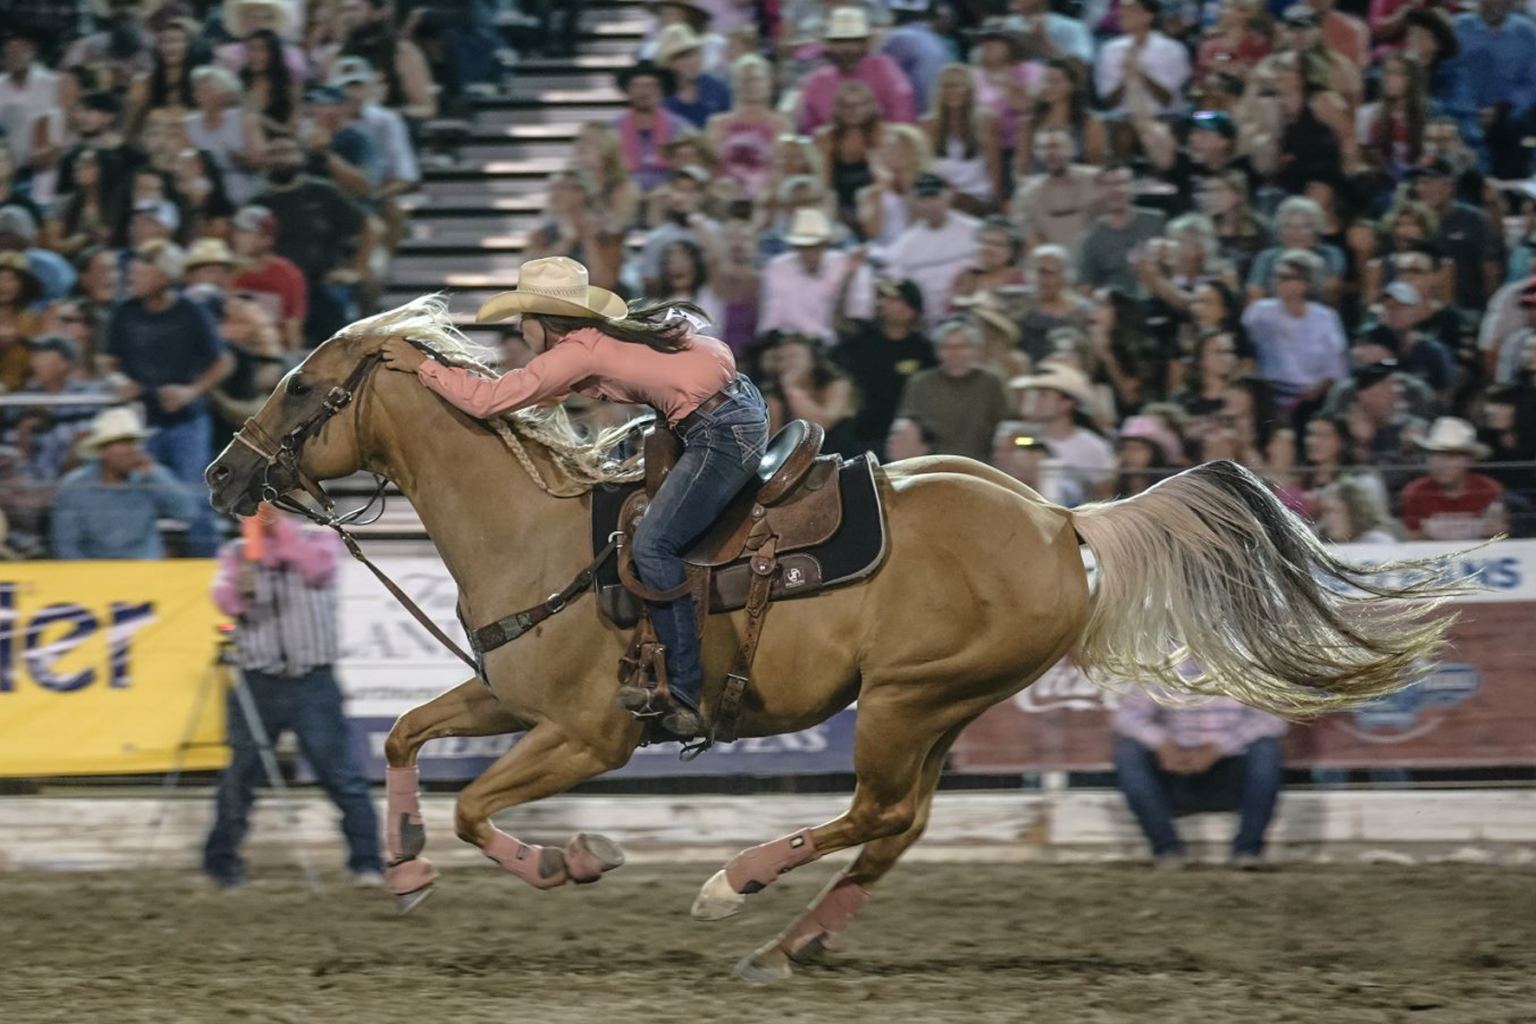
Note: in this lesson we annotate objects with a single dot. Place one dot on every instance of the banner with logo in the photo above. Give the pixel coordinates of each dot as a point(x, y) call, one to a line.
point(108, 667)
point(1475, 710)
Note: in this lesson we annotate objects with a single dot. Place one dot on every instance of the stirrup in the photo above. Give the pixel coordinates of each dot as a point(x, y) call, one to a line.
point(693, 748)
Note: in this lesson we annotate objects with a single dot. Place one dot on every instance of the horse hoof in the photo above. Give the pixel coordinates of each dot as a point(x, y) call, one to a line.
point(717, 900)
point(762, 968)
point(813, 952)
point(407, 902)
point(588, 857)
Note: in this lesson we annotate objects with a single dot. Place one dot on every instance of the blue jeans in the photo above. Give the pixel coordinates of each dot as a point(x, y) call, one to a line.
point(1248, 783)
point(186, 449)
point(721, 452)
point(310, 705)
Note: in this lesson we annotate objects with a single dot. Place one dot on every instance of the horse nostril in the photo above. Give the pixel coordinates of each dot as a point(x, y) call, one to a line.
point(218, 474)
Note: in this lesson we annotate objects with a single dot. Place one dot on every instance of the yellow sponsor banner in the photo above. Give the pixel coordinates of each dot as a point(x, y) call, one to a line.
point(104, 665)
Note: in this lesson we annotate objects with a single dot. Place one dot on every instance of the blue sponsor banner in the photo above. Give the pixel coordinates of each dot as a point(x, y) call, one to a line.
point(821, 749)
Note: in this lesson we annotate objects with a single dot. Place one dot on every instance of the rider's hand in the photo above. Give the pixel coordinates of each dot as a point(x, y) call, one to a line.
point(401, 355)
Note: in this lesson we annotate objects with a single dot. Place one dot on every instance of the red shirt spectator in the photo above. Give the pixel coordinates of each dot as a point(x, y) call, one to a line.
point(1451, 502)
point(269, 273)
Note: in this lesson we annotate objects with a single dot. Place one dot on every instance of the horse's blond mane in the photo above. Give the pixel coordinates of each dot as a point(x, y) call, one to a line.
point(584, 463)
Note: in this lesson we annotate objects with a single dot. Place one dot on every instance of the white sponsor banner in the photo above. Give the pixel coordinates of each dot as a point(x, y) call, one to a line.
point(390, 664)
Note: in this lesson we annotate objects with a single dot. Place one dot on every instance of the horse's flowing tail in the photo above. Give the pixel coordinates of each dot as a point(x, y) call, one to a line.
point(1209, 566)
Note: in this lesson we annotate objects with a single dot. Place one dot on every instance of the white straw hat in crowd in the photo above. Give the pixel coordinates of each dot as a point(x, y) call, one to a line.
point(809, 226)
point(1069, 380)
point(556, 285)
point(1453, 435)
point(847, 23)
point(674, 41)
point(119, 423)
point(236, 12)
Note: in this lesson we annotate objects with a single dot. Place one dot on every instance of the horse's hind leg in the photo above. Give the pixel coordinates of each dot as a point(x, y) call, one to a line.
point(468, 709)
point(898, 727)
point(829, 913)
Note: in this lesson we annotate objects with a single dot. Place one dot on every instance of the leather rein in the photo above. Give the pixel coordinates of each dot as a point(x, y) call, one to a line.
point(284, 454)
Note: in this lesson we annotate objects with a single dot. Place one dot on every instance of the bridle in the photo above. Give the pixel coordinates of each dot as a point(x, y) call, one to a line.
point(284, 453)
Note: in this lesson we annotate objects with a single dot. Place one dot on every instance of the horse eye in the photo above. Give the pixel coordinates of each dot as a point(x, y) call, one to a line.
point(298, 388)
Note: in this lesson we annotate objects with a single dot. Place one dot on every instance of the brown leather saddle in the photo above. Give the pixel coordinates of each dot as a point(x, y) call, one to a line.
point(808, 522)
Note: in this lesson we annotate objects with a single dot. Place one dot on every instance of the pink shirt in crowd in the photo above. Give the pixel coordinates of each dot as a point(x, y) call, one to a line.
point(591, 362)
point(315, 553)
point(893, 93)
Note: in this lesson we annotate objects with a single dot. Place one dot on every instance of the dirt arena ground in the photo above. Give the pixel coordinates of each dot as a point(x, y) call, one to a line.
point(1440, 944)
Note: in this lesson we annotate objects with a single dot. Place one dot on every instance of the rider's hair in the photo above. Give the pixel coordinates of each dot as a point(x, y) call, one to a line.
point(663, 326)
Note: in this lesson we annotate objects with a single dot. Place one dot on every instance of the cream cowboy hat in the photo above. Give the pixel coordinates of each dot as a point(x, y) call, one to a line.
point(206, 251)
point(1452, 435)
point(119, 423)
point(234, 15)
point(1069, 381)
point(556, 285)
point(674, 41)
point(809, 227)
point(847, 23)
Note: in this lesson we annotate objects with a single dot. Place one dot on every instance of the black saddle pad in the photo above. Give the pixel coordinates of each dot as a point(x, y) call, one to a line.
point(851, 554)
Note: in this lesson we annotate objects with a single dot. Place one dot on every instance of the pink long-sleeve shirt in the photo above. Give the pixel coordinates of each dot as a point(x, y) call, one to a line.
point(314, 553)
point(591, 362)
point(893, 93)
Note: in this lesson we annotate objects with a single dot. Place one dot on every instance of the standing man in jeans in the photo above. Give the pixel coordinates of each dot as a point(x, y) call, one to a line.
point(279, 583)
point(172, 355)
point(1220, 755)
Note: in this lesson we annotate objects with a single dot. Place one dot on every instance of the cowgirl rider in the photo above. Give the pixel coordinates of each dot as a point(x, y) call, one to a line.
point(586, 340)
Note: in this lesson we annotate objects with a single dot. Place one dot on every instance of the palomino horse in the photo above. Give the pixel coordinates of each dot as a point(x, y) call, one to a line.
point(983, 589)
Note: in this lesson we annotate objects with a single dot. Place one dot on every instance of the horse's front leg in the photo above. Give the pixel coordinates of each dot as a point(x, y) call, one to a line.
point(548, 760)
point(468, 709)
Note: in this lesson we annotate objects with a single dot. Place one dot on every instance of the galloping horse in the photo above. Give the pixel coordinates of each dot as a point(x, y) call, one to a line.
point(983, 588)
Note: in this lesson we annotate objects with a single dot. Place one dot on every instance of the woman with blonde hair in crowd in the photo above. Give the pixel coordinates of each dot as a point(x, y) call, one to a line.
point(1407, 228)
point(744, 135)
point(221, 128)
point(885, 208)
point(965, 142)
point(848, 144)
point(997, 263)
point(598, 157)
point(1062, 103)
point(1351, 510)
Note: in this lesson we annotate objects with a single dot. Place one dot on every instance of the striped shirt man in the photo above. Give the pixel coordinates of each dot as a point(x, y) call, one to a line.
point(284, 601)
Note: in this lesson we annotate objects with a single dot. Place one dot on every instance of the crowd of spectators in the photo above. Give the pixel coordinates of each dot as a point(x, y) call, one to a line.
point(1093, 243)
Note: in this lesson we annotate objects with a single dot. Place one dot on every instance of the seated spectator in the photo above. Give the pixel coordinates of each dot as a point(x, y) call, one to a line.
point(880, 354)
point(172, 357)
point(909, 439)
point(1300, 223)
point(885, 207)
point(1210, 151)
point(109, 507)
point(271, 85)
point(936, 246)
point(1002, 81)
point(799, 287)
point(97, 287)
point(1117, 232)
point(394, 172)
point(744, 134)
point(1146, 451)
point(995, 262)
point(847, 50)
point(569, 228)
point(1057, 205)
point(211, 263)
point(268, 274)
point(200, 184)
point(1509, 432)
point(1021, 453)
point(1062, 104)
point(697, 96)
point(20, 288)
point(1241, 234)
point(1466, 237)
point(1511, 352)
point(121, 45)
point(1141, 58)
point(1054, 303)
point(1137, 363)
point(30, 96)
point(1299, 343)
point(317, 227)
point(47, 435)
point(997, 319)
point(403, 70)
point(962, 402)
point(83, 216)
point(919, 46)
point(335, 149)
point(683, 202)
point(1380, 431)
point(1395, 336)
point(847, 144)
point(646, 126)
point(1451, 502)
point(1351, 511)
point(1408, 228)
point(164, 93)
point(1220, 755)
point(1390, 131)
point(153, 220)
point(1233, 40)
point(1060, 402)
point(1211, 372)
point(697, 17)
point(259, 364)
point(965, 141)
point(685, 276)
point(18, 234)
point(802, 384)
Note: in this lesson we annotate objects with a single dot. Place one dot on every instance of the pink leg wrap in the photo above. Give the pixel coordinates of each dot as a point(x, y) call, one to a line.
point(409, 875)
point(404, 833)
point(827, 916)
point(541, 867)
point(751, 870)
